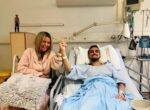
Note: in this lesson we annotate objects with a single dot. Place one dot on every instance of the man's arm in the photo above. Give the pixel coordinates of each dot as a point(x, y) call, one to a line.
point(67, 65)
point(121, 91)
point(120, 82)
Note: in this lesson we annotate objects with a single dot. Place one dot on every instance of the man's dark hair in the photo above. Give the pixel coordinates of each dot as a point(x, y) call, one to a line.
point(92, 47)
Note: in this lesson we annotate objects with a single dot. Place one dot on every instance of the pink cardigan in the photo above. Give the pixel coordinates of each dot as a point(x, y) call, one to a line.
point(29, 63)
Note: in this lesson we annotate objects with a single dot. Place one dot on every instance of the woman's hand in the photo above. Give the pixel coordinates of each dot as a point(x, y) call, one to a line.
point(38, 74)
point(41, 75)
point(44, 76)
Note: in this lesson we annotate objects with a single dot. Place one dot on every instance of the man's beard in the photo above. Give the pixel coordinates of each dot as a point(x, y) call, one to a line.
point(94, 59)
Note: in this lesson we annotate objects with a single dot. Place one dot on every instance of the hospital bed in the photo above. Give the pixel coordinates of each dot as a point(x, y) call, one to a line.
point(77, 56)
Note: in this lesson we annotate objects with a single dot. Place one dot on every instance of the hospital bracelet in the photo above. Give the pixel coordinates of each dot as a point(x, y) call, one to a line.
point(121, 92)
point(65, 57)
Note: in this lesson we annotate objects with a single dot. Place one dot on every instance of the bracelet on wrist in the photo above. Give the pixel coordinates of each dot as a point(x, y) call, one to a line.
point(121, 92)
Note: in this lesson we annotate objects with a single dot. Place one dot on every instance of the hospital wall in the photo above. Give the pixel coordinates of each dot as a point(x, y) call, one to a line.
point(73, 19)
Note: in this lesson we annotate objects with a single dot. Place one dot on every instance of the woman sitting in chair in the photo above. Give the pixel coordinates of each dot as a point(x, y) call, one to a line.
point(39, 60)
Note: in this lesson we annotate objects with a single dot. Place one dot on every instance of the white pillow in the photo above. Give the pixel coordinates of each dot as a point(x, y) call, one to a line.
point(108, 53)
point(24, 91)
point(81, 55)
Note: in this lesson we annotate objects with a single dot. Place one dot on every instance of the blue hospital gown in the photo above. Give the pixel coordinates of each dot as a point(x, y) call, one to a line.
point(99, 90)
point(84, 71)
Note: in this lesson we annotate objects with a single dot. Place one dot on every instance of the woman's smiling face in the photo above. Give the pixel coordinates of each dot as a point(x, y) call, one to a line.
point(45, 45)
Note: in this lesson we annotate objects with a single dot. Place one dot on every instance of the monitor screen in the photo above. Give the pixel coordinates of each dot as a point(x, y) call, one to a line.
point(145, 42)
point(131, 2)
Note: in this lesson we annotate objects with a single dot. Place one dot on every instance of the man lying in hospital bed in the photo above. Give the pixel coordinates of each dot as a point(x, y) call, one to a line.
point(99, 90)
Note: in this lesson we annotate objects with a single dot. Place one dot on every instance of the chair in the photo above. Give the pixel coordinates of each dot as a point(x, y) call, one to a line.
point(16, 59)
point(53, 75)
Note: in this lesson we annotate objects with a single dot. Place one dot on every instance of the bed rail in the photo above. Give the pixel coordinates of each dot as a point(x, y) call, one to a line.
point(54, 92)
point(147, 87)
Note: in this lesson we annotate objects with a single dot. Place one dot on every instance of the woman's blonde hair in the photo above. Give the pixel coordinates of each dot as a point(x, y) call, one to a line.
point(38, 40)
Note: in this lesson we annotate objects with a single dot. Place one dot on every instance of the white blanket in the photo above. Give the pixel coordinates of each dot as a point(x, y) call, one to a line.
point(24, 91)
